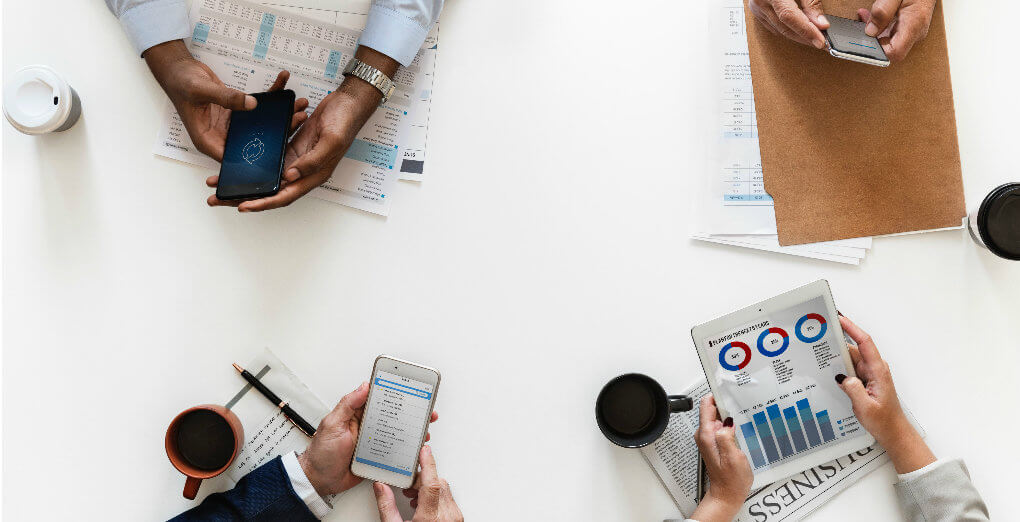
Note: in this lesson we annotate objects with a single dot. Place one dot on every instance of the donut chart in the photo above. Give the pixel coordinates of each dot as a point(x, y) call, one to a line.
point(764, 337)
point(805, 336)
point(726, 349)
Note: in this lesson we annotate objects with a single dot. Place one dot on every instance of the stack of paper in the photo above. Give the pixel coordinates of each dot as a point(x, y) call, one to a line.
point(246, 44)
point(734, 208)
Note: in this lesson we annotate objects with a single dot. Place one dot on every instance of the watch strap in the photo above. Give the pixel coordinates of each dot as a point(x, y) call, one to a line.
point(373, 76)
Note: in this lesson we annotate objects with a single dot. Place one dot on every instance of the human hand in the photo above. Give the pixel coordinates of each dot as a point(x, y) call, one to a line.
point(801, 23)
point(322, 141)
point(430, 496)
point(327, 461)
point(202, 101)
point(729, 473)
point(876, 404)
point(898, 24)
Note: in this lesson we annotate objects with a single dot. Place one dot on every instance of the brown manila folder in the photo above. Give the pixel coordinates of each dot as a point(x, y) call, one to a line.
point(852, 150)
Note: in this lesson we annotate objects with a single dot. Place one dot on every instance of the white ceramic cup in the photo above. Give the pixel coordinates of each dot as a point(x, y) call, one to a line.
point(38, 101)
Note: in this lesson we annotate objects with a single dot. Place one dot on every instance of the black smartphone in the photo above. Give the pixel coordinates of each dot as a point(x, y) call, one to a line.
point(253, 155)
point(846, 39)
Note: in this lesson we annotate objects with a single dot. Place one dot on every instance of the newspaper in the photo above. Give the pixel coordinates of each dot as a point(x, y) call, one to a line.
point(675, 460)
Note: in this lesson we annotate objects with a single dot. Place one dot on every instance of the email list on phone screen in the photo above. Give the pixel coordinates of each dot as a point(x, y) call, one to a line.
point(394, 419)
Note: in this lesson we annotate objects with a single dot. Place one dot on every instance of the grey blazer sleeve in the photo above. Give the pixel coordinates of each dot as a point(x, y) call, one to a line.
point(945, 493)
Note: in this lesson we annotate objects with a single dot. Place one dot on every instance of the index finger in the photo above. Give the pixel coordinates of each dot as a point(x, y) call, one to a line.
point(281, 81)
point(790, 15)
point(865, 346)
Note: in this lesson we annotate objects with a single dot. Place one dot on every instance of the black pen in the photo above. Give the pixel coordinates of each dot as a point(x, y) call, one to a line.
point(289, 412)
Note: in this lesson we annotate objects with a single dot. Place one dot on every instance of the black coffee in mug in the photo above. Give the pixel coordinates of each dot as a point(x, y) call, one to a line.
point(633, 410)
point(205, 440)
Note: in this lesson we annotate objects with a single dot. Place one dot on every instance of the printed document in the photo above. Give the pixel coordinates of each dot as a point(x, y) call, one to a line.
point(247, 44)
point(734, 208)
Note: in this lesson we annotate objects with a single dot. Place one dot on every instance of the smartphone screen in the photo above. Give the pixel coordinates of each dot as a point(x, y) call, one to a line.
point(848, 36)
point(253, 154)
point(395, 420)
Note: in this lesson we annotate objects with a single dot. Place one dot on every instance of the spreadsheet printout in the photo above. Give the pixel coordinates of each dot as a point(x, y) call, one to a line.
point(247, 44)
point(415, 125)
point(738, 202)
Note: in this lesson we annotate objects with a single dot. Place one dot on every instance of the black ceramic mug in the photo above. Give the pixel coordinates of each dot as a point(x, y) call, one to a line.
point(633, 410)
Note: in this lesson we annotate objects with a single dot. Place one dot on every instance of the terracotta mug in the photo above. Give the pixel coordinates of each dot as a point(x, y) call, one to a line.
point(203, 442)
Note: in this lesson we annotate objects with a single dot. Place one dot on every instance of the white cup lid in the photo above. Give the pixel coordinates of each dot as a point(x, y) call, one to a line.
point(37, 100)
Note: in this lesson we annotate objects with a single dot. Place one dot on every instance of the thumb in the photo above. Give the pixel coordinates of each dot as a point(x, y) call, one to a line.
point(429, 472)
point(813, 10)
point(314, 160)
point(347, 408)
point(387, 503)
point(854, 388)
point(228, 98)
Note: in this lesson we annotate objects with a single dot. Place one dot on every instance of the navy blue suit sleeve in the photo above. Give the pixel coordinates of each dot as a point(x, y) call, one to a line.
point(262, 495)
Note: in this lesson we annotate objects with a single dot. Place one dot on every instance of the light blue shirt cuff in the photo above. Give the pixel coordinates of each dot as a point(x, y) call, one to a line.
point(155, 22)
point(393, 34)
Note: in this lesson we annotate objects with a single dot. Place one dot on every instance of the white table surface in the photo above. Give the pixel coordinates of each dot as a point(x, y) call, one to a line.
point(546, 252)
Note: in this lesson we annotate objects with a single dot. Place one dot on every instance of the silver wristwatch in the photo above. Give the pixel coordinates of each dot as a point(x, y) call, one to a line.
point(370, 74)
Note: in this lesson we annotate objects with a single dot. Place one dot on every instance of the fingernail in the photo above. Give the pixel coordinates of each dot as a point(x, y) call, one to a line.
point(840, 378)
point(871, 29)
point(728, 422)
point(822, 20)
point(820, 44)
point(362, 385)
point(427, 449)
point(250, 102)
point(377, 487)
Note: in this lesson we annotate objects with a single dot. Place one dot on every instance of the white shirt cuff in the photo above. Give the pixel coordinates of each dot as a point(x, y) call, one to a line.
point(918, 472)
point(303, 487)
point(153, 23)
point(393, 34)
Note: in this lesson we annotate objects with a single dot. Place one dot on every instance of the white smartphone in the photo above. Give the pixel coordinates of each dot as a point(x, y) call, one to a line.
point(401, 395)
point(846, 39)
point(772, 367)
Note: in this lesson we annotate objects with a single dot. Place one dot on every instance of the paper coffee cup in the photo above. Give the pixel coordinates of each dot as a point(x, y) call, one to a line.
point(37, 101)
point(995, 223)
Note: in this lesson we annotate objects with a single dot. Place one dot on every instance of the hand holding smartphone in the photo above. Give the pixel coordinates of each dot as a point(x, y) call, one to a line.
point(401, 396)
point(846, 39)
point(253, 154)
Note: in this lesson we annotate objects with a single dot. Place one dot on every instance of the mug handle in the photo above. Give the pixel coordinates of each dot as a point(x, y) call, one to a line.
point(191, 487)
point(680, 403)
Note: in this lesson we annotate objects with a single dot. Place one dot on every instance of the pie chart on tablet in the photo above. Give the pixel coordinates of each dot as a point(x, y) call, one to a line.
point(735, 356)
point(810, 328)
point(773, 342)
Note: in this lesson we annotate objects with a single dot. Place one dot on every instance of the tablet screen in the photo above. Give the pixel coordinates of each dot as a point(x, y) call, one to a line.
point(776, 377)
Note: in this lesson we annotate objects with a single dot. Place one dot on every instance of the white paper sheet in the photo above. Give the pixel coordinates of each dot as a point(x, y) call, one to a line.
point(246, 44)
point(267, 432)
point(778, 249)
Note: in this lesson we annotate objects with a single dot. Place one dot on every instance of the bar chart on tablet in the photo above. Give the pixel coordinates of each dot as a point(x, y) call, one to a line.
point(778, 433)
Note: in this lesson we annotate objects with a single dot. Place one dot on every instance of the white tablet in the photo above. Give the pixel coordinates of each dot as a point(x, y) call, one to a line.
point(772, 367)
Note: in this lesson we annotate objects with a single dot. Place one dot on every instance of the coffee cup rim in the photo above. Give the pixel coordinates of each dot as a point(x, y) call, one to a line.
point(607, 432)
point(194, 472)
